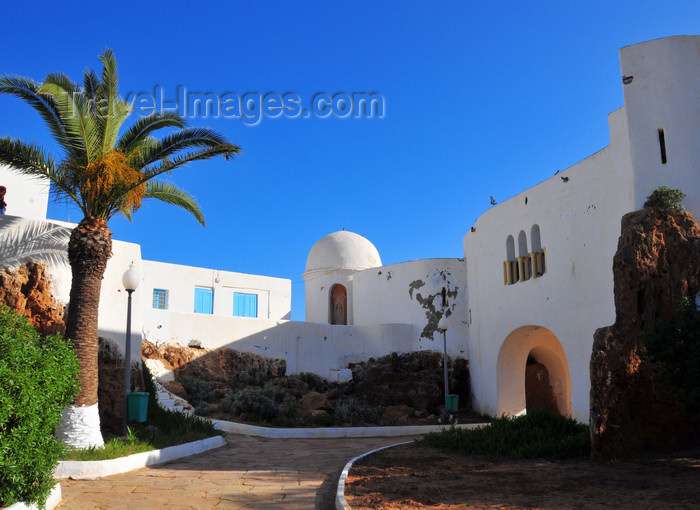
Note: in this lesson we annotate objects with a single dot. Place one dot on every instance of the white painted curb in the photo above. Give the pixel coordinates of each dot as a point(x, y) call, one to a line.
point(88, 470)
point(331, 432)
point(51, 502)
point(340, 501)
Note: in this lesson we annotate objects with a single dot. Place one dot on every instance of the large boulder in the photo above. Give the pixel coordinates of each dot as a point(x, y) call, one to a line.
point(657, 263)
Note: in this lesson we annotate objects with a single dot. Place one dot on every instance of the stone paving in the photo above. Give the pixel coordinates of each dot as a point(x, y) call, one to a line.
point(249, 473)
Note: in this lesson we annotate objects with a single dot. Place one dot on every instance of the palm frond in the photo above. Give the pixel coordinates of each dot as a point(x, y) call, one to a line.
point(29, 159)
point(112, 111)
point(75, 114)
point(28, 90)
point(169, 164)
point(171, 194)
point(201, 138)
point(142, 129)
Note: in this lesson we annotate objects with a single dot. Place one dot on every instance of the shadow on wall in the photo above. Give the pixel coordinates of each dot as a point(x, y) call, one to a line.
point(529, 356)
point(24, 239)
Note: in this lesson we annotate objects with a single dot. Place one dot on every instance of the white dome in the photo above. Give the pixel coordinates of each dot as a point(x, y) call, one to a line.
point(342, 250)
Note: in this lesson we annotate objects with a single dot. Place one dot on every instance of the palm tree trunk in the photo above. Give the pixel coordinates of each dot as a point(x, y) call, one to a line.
point(89, 249)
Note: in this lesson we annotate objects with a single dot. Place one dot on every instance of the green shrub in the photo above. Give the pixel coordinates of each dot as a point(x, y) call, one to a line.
point(198, 390)
point(253, 376)
point(38, 378)
point(266, 404)
point(315, 382)
point(166, 428)
point(665, 198)
point(676, 346)
point(538, 434)
point(354, 412)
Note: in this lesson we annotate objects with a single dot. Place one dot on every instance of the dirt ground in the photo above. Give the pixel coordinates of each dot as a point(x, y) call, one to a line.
point(413, 476)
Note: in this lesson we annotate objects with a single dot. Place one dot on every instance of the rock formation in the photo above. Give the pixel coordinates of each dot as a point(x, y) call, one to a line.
point(657, 264)
point(27, 289)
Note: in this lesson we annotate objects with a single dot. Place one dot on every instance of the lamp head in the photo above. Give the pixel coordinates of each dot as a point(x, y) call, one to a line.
point(131, 278)
point(442, 324)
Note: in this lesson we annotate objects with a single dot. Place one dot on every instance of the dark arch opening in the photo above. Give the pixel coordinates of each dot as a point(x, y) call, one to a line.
point(338, 313)
point(538, 388)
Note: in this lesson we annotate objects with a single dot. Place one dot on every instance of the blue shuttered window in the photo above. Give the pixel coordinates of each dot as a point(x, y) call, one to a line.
point(245, 305)
point(160, 299)
point(203, 300)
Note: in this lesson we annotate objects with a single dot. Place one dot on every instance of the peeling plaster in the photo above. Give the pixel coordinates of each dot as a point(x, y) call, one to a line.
point(414, 285)
point(432, 303)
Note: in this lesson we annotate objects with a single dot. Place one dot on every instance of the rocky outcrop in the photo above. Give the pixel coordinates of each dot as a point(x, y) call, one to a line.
point(210, 363)
point(414, 379)
point(27, 289)
point(657, 263)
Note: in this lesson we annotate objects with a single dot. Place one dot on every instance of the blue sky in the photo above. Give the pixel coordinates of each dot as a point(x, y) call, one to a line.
point(480, 100)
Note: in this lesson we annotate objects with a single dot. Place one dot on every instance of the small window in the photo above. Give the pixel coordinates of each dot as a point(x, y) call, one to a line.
point(245, 305)
point(160, 299)
point(203, 300)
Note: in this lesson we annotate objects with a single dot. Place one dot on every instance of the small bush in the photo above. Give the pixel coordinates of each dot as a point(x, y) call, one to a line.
point(665, 198)
point(252, 404)
point(252, 376)
point(538, 434)
point(198, 390)
point(38, 378)
point(166, 428)
point(676, 346)
point(315, 382)
point(354, 412)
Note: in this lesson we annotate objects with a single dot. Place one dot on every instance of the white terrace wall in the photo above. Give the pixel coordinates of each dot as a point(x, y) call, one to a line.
point(579, 225)
point(41, 240)
point(411, 292)
point(26, 197)
point(307, 347)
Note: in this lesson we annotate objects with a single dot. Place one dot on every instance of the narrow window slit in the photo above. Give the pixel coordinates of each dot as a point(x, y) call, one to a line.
point(662, 145)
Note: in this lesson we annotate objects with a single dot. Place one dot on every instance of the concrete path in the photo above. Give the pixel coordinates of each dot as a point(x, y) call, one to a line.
point(250, 472)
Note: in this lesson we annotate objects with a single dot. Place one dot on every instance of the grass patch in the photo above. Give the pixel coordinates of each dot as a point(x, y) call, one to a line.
point(162, 429)
point(113, 449)
point(538, 434)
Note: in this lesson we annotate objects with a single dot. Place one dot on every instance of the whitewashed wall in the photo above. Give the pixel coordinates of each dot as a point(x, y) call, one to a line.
point(410, 292)
point(317, 287)
point(274, 294)
point(579, 224)
point(307, 347)
point(664, 93)
point(47, 240)
point(26, 197)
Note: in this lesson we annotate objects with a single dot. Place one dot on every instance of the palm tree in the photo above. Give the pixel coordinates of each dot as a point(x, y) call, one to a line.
point(104, 174)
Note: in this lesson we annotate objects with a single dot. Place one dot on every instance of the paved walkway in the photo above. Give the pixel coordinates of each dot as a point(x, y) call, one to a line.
point(250, 473)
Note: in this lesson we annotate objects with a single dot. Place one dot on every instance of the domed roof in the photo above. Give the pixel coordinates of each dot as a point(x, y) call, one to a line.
point(342, 250)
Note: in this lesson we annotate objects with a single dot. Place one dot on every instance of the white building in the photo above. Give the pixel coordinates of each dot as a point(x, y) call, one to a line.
point(533, 286)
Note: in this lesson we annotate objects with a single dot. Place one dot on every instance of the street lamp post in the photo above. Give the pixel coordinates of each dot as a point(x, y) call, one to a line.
point(442, 326)
point(130, 280)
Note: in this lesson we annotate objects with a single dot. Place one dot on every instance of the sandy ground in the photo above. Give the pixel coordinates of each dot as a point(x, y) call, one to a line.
point(413, 476)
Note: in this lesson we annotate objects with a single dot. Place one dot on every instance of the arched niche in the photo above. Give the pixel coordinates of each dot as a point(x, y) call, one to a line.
point(543, 347)
point(510, 248)
point(522, 244)
point(535, 241)
point(338, 306)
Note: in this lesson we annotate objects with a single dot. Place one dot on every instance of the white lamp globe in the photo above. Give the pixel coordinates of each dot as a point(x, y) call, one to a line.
point(442, 324)
point(131, 278)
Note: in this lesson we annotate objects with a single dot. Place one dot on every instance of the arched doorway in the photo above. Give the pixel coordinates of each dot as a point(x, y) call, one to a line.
point(533, 372)
point(338, 305)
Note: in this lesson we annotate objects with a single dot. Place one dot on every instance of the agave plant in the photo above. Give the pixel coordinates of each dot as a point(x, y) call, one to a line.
point(106, 169)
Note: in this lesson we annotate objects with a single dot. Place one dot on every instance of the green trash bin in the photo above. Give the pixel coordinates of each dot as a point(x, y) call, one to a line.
point(138, 407)
point(452, 402)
